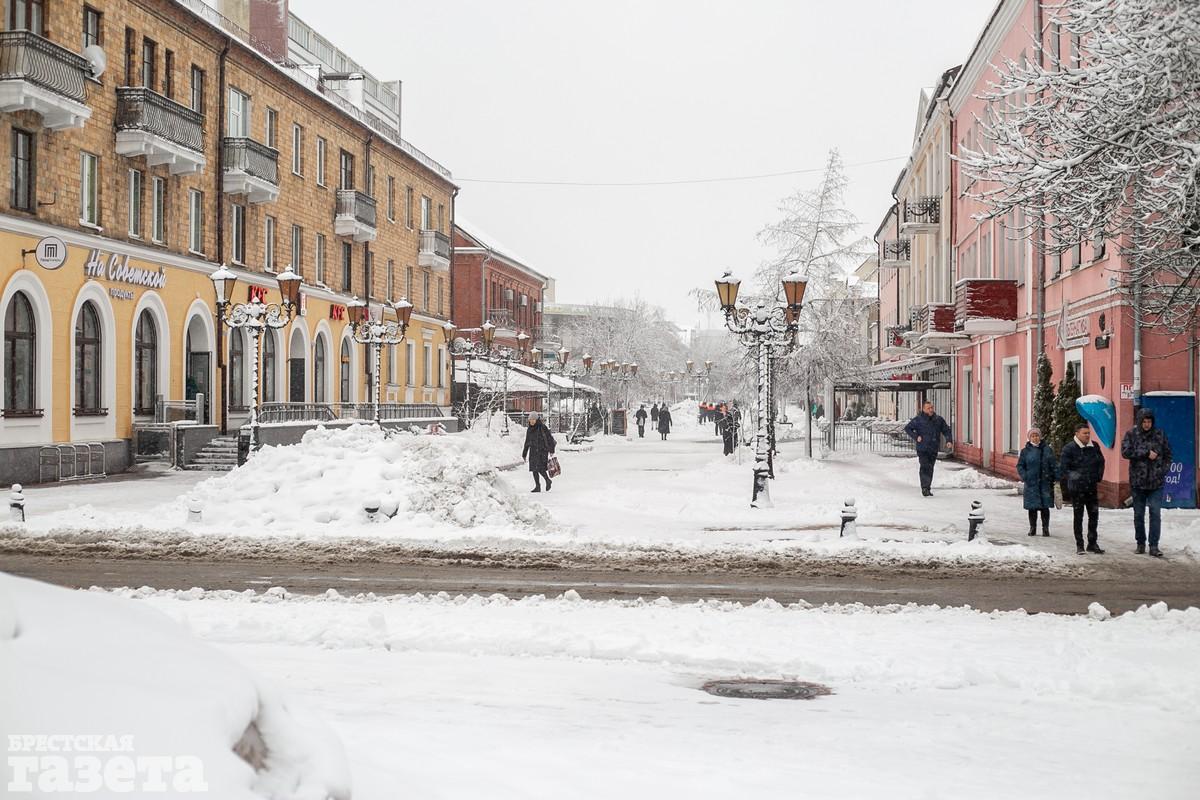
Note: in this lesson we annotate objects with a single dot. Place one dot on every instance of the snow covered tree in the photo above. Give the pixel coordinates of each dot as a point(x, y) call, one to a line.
point(1043, 398)
point(1066, 417)
point(1102, 144)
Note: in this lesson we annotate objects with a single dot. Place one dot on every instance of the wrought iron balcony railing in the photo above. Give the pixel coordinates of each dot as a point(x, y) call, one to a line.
point(923, 211)
point(896, 249)
point(435, 246)
point(353, 204)
point(253, 158)
point(28, 57)
point(142, 109)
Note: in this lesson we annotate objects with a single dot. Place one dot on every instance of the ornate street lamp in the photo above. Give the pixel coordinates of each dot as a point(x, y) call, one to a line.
point(763, 330)
point(375, 333)
point(486, 350)
point(255, 317)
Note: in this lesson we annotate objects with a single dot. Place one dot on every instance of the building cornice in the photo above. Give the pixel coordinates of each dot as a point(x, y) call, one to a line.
point(998, 26)
point(498, 256)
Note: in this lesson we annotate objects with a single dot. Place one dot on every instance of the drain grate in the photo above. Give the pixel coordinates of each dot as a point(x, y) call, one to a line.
point(752, 689)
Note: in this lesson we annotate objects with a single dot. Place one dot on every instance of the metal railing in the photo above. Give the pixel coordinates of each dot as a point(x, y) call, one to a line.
point(356, 204)
point(68, 462)
point(886, 438)
point(435, 243)
point(925, 210)
point(500, 317)
point(331, 412)
point(896, 249)
point(142, 109)
point(28, 57)
point(253, 158)
point(168, 411)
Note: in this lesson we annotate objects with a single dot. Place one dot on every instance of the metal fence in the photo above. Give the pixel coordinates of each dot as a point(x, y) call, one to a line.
point(167, 411)
point(883, 437)
point(66, 462)
point(330, 412)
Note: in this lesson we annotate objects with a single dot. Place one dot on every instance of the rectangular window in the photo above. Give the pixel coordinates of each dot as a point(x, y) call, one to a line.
point(370, 187)
point(195, 221)
point(391, 364)
point(197, 90)
point(426, 213)
point(169, 74)
point(410, 363)
point(272, 128)
point(408, 206)
point(24, 196)
point(1076, 255)
point(985, 257)
point(368, 273)
point(1098, 247)
point(441, 218)
point(92, 29)
point(1012, 409)
point(130, 55)
point(391, 280)
point(149, 57)
point(408, 284)
point(1055, 46)
point(1075, 50)
point(1075, 358)
point(320, 162)
point(968, 414)
point(441, 372)
point(27, 15)
point(239, 114)
point(441, 305)
point(297, 150)
point(347, 265)
point(237, 231)
point(89, 205)
point(425, 291)
point(298, 250)
point(391, 198)
point(320, 258)
point(428, 364)
point(158, 210)
point(345, 170)
point(269, 244)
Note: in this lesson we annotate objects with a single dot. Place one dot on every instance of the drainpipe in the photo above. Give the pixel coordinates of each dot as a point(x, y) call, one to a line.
point(368, 271)
point(453, 204)
point(220, 194)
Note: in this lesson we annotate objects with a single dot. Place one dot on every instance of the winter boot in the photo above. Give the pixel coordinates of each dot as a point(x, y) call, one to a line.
point(1079, 549)
point(548, 484)
point(1141, 550)
point(1093, 547)
point(1045, 531)
point(1154, 551)
point(1032, 529)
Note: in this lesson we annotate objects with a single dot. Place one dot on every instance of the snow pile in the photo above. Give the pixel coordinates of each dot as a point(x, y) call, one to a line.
point(133, 689)
point(327, 481)
point(945, 477)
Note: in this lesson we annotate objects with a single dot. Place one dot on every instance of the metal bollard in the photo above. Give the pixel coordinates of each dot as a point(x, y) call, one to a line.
point(194, 512)
point(975, 521)
point(371, 508)
point(16, 504)
point(849, 515)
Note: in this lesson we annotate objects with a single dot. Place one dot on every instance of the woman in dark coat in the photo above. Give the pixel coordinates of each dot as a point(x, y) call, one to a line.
point(539, 446)
point(664, 422)
point(1038, 467)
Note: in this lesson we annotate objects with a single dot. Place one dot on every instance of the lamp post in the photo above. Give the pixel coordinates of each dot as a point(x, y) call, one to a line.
point(556, 367)
point(375, 333)
point(699, 377)
point(762, 330)
point(487, 351)
point(255, 317)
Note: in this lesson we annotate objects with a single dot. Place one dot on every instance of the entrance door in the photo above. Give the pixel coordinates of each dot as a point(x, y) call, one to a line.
point(989, 398)
point(198, 372)
point(296, 380)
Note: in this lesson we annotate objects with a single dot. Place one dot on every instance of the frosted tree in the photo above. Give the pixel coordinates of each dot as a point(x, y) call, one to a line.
point(1102, 143)
point(1043, 397)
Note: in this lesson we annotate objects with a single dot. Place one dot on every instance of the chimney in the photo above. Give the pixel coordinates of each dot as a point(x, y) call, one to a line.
point(269, 27)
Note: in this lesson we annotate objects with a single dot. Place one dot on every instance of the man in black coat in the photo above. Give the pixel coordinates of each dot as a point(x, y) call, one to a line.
point(927, 430)
point(654, 415)
point(539, 446)
point(664, 421)
point(1080, 468)
point(1149, 456)
point(640, 416)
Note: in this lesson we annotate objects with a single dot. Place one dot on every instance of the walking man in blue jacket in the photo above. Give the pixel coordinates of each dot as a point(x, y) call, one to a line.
point(927, 430)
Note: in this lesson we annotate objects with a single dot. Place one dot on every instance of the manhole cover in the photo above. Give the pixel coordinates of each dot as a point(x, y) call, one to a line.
point(750, 689)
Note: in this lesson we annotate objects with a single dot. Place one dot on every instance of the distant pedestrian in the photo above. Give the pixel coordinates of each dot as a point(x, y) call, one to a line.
point(927, 430)
point(654, 415)
point(539, 446)
point(1080, 468)
point(728, 427)
point(664, 421)
point(640, 416)
point(1149, 455)
point(1039, 469)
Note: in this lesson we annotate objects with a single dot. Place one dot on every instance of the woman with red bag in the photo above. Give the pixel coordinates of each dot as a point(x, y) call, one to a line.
point(538, 450)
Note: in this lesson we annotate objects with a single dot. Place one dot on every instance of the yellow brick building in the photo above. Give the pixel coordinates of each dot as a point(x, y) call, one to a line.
point(150, 141)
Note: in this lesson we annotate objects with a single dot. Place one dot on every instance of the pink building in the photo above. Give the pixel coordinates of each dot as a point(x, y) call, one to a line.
point(1011, 300)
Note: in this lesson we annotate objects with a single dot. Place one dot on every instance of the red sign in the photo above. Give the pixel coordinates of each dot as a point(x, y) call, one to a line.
point(337, 312)
point(257, 293)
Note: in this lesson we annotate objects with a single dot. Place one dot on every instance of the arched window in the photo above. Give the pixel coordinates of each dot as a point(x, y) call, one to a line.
point(145, 353)
point(268, 367)
point(345, 397)
point(87, 360)
point(237, 370)
point(319, 370)
point(20, 356)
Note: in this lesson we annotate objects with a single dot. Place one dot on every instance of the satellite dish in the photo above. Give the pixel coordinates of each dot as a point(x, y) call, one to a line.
point(96, 58)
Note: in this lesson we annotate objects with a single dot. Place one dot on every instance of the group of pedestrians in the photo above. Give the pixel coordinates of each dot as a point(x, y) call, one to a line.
point(660, 420)
point(1073, 477)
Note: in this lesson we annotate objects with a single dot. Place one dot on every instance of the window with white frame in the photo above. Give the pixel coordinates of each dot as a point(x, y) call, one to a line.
point(426, 213)
point(158, 210)
point(320, 258)
point(1011, 400)
point(968, 402)
point(298, 249)
point(441, 374)
point(391, 364)
point(237, 232)
point(239, 114)
point(89, 181)
point(269, 244)
point(1075, 358)
point(136, 192)
point(391, 279)
point(428, 364)
point(297, 150)
point(195, 221)
point(410, 363)
point(321, 146)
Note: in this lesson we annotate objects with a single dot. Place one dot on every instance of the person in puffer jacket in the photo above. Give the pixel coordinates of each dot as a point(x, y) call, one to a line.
point(1149, 455)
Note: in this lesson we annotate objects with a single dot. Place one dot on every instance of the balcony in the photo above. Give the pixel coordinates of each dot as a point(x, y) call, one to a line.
point(922, 215)
point(160, 129)
point(38, 75)
point(435, 250)
point(895, 253)
point(501, 317)
point(985, 306)
point(252, 169)
point(934, 327)
point(355, 215)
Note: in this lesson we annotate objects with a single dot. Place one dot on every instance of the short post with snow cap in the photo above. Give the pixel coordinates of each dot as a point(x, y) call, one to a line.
point(768, 331)
point(849, 515)
point(975, 521)
point(16, 503)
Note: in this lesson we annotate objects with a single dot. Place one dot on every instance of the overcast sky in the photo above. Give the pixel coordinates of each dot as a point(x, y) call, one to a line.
point(652, 90)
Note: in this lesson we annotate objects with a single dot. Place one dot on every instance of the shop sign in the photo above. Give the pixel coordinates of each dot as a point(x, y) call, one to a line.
point(117, 268)
point(51, 252)
point(1126, 391)
point(119, 294)
point(258, 293)
point(337, 312)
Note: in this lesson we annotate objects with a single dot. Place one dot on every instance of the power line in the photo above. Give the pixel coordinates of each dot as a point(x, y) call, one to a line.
point(679, 182)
